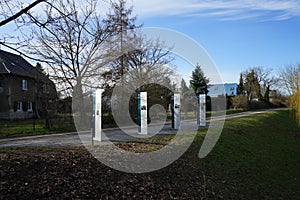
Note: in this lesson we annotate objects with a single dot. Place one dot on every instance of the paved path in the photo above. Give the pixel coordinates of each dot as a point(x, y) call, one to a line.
point(114, 135)
point(75, 139)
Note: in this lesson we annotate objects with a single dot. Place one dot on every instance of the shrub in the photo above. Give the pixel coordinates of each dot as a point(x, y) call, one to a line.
point(240, 101)
point(256, 105)
point(295, 103)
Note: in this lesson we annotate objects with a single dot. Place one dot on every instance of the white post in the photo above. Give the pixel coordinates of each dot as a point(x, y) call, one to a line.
point(142, 113)
point(176, 111)
point(202, 110)
point(97, 128)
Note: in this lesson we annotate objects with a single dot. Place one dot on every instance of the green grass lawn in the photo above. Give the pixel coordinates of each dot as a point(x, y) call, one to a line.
point(37, 127)
point(259, 155)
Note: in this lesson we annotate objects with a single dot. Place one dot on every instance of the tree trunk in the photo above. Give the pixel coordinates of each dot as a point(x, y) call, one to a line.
point(78, 105)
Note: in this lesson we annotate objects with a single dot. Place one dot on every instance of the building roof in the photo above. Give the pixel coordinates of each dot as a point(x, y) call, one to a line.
point(14, 64)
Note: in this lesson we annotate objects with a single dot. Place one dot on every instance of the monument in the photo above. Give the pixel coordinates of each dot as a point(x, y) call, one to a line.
point(202, 110)
point(142, 113)
point(97, 128)
point(175, 105)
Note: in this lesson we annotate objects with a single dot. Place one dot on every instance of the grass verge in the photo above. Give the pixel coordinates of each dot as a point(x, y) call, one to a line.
point(259, 155)
point(37, 127)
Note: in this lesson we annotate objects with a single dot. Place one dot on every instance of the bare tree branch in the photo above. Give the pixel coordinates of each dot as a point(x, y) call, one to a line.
point(21, 12)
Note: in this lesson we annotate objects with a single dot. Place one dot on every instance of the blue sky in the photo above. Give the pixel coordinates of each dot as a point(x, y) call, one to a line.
point(237, 34)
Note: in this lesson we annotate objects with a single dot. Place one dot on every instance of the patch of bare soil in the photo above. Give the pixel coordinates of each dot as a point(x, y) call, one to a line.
point(72, 173)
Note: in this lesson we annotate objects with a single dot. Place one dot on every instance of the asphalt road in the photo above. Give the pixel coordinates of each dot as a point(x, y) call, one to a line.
point(114, 135)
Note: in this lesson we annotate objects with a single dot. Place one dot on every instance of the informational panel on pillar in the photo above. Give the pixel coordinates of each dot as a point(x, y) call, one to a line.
point(97, 128)
point(176, 111)
point(202, 108)
point(142, 113)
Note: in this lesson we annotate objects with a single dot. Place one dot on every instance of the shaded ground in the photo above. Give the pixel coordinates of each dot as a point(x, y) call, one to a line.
point(73, 173)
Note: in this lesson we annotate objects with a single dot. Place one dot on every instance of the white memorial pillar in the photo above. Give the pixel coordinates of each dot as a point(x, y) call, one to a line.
point(176, 111)
point(202, 110)
point(97, 128)
point(142, 113)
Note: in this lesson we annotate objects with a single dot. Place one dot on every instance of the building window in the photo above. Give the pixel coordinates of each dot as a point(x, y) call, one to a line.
point(29, 106)
point(19, 106)
point(24, 85)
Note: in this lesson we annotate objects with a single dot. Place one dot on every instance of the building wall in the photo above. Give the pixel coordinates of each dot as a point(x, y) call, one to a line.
point(4, 98)
point(14, 93)
point(229, 89)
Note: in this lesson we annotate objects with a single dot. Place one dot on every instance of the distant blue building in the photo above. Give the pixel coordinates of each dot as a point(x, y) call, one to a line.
point(229, 89)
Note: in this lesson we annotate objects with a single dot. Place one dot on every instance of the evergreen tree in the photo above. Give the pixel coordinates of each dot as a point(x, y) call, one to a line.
point(187, 98)
point(40, 68)
point(184, 97)
point(252, 86)
point(199, 81)
point(241, 86)
point(122, 25)
point(184, 88)
point(267, 94)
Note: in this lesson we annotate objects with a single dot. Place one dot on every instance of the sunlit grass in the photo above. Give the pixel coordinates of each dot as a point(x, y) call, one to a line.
point(258, 154)
point(37, 127)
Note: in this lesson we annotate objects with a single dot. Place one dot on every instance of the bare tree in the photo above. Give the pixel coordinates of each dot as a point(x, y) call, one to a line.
point(79, 46)
point(19, 13)
point(151, 61)
point(258, 82)
point(14, 13)
point(76, 43)
point(289, 78)
point(137, 59)
point(12, 10)
point(146, 68)
point(251, 85)
point(266, 80)
point(138, 64)
point(71, 43)
point(120, 21)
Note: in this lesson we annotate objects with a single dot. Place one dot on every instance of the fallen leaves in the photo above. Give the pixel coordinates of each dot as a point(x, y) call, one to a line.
point(71, 172)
